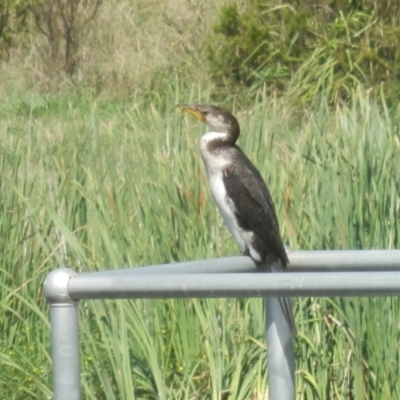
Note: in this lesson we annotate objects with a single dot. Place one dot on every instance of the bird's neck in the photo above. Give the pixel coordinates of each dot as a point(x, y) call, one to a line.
point(213, 140)
point(216, 150)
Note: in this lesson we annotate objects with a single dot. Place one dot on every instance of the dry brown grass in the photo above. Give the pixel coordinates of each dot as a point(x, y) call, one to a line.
point(130, 47)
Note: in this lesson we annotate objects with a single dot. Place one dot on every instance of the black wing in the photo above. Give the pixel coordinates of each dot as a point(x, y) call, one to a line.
point(254, 207)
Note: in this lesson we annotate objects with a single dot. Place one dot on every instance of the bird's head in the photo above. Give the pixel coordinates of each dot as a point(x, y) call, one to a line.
point(216, 118)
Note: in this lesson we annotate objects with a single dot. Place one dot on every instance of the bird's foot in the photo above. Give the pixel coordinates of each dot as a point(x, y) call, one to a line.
point(243, 253)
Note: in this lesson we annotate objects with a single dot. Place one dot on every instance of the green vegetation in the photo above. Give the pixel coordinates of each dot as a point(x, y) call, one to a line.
point(87, 169)
point(86, 185)
point(310, 49)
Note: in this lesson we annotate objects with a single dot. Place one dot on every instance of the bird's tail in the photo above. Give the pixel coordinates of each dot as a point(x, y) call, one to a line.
point(288, 314)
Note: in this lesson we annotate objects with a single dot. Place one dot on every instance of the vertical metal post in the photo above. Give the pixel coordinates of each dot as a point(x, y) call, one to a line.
point(280, 354)
point(64, 335)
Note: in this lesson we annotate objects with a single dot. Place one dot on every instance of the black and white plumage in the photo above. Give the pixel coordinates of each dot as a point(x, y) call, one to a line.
point(240, 193)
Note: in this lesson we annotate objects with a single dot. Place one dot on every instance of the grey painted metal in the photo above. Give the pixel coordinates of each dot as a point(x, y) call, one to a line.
point(280, 354)
point(117, 286)
point(349, 260)
point(300, 261)
point(235, 264)
point(64, 335)
point(378, 275)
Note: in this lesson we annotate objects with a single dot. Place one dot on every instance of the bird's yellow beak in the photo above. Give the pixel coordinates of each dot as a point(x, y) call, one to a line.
point(193, 111)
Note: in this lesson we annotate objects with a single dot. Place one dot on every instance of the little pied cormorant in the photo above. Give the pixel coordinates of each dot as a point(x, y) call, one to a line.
point(240, 193)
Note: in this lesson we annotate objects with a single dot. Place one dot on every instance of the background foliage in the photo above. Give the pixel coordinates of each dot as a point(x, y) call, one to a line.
point(299, 48)
point(321, 49)
point(89, 160)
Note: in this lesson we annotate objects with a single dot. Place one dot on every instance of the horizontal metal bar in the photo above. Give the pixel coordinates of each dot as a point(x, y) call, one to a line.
point(235, 264)
point(349, 260)
point(118, 286)
point(300, 261)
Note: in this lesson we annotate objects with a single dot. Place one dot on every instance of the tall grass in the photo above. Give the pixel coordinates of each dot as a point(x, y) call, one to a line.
point(107, 184)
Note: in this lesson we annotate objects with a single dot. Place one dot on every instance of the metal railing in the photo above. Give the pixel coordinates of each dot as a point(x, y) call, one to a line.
point(310, 273)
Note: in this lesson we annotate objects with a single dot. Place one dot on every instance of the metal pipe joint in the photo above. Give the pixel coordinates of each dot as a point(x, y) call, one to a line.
point(64, 335)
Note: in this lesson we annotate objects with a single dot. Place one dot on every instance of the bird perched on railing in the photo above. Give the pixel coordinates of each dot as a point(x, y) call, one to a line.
point(240, 193)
